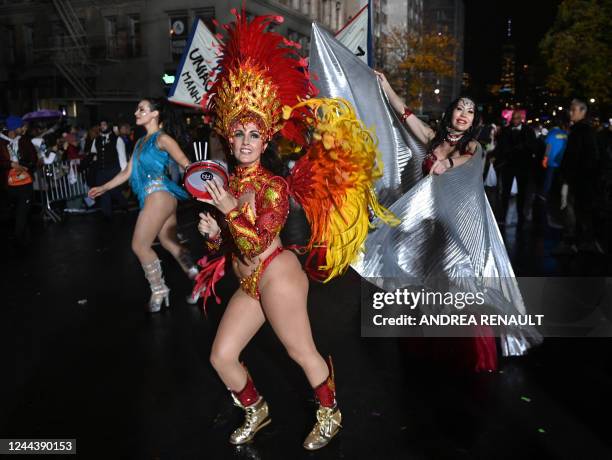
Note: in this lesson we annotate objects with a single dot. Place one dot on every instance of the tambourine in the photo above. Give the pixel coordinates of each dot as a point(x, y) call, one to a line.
point(198, 173)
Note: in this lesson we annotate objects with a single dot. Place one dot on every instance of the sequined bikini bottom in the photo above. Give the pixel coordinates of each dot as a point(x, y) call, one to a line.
point(250, 283)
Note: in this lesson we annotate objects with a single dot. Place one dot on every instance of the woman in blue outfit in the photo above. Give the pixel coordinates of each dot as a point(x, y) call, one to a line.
point(147, 171)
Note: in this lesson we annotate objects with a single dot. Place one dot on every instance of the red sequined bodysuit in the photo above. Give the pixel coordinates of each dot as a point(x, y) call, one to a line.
point(251, 229)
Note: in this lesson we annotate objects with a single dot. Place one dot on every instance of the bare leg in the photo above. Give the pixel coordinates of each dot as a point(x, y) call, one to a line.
point(284, 289)
point(168, 237)
point(169, 241)
point(159, 206)
point(242, 319)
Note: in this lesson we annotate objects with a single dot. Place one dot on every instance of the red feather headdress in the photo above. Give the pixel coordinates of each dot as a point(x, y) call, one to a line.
point(261, 72)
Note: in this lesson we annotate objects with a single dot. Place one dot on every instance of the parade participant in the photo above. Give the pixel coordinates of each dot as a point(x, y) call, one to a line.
point(448, 236)
point(157, 194)
point(453, 143)
point(262, 76)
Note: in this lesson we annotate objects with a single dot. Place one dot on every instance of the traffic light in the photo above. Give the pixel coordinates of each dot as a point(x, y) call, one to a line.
point(168, 79)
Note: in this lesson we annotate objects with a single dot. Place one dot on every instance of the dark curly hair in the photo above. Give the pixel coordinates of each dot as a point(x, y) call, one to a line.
point(445, 124)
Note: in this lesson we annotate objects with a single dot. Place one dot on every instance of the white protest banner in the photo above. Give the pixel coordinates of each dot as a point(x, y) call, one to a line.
point(197, 70)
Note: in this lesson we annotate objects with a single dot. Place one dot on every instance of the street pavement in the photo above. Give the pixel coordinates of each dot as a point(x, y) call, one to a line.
point(81, 359)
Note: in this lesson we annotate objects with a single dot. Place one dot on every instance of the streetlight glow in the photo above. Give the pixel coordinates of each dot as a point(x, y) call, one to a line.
point(560, 108)
point(436, 91)
point(592, 100)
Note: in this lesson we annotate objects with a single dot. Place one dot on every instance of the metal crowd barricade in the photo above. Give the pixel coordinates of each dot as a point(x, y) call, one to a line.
point(60, 182)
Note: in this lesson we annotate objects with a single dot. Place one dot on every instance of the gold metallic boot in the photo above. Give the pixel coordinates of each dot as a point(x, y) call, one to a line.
point(160, 293)
point(256, 417)
point(328, 414)
point(256, 411)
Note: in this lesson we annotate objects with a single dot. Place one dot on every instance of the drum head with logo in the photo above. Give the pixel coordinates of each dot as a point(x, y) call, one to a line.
point(199, 173)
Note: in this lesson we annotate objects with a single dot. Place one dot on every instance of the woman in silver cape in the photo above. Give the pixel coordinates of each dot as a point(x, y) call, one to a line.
point(447, 238)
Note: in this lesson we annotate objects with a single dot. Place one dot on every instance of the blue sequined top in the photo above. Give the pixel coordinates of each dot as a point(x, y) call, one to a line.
point(150, 171)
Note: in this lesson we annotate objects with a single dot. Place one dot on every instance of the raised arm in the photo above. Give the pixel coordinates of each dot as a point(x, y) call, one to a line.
point(420, 129)
point(165, 142)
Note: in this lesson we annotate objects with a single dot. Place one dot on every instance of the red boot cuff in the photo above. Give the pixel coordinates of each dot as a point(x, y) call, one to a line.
point(326, 392)
point(249, 394)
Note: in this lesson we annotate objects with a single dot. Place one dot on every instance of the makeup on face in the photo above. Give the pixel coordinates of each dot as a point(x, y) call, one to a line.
point(142, 111)
point(247, 143)
point(463, 115)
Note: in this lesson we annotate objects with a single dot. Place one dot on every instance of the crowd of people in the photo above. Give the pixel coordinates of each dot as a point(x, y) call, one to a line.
point(562, 167)
point(99, 153)
point(560, 170)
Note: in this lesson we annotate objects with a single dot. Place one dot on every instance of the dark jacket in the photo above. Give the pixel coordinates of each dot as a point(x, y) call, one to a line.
point(604, 147)
point(581, 156)
point(516, 147)
point(106, 152)
point(27, 158)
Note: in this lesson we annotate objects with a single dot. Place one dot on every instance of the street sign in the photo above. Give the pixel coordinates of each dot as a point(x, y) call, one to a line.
point(197, 70)
point(356, 35)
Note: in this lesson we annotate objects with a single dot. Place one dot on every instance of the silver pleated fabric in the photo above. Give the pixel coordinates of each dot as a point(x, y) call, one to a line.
point(448, 239)
point(342, 74)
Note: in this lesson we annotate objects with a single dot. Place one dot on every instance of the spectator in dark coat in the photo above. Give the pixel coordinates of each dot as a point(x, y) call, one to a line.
point(579, 172)
point(514, 158)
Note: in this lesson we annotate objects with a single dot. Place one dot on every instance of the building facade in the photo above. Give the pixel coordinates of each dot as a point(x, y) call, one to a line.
point(405, 14)
point(508, 65)
point(445, 17)
point(98, 58)
point(333, 14)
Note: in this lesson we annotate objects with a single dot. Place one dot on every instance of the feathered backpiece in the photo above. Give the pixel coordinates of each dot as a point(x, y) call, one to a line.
point(260, 73)
point(334, 182)
point(263, 80)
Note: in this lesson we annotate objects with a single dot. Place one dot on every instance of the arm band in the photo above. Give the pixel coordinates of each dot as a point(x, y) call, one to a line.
point(406, 114)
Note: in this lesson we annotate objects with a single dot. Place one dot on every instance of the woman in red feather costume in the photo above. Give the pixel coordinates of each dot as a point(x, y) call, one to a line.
point(264, 90)
point(261, 73)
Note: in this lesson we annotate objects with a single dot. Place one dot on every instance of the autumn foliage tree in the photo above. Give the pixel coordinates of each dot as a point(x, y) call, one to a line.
point(577, 49)
point(412, 62)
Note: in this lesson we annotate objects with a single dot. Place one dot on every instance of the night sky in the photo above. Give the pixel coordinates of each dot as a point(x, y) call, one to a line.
point(485, 33)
